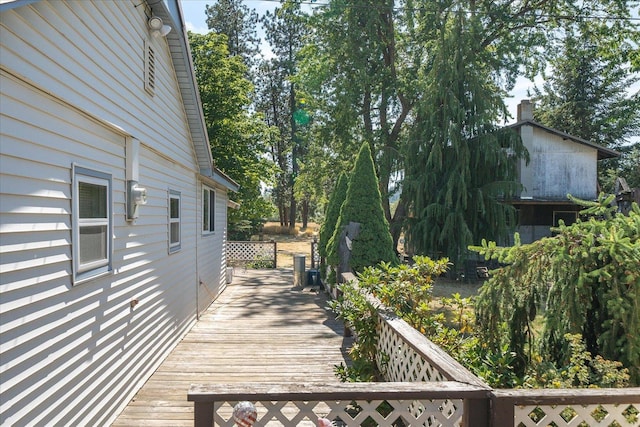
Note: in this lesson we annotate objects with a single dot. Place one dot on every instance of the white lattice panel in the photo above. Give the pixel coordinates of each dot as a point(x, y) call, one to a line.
point(572, 416)
point(349, 413)
point(244, 252)
point(400, 362)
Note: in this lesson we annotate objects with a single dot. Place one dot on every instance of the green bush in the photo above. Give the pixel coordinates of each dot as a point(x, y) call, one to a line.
point(363, 204)
point(584, 280)
point(333, 213)
point(407, 291)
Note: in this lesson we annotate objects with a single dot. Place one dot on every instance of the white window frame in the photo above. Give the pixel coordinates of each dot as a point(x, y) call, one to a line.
point(208, 210)
point(174, 246)
point(88, 270)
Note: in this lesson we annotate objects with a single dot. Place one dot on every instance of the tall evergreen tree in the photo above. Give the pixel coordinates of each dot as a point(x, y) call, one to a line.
point(239, 24)
point(285, 30)
point(272, 102)
point(363, 204)
point(458, 163)
point(586, 94)
point(332, 214)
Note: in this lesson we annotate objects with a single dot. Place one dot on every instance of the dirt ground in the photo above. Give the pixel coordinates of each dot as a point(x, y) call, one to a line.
point(288, 246)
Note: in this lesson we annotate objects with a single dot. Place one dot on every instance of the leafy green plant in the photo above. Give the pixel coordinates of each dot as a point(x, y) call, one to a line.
point(260, 261)
point(584, 280)
point(579, 369)
point(361, 316)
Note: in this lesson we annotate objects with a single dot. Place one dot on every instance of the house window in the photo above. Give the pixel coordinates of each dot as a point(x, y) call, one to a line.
point(569, 217)
point(208, 210)
point(92, 223)
point(174, 221)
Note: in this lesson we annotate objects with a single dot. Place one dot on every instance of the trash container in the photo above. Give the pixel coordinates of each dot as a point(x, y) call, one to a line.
point(298, 270)
point(313, 278)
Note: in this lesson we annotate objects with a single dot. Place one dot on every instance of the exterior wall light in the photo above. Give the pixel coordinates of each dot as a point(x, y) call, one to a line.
point(157, 27)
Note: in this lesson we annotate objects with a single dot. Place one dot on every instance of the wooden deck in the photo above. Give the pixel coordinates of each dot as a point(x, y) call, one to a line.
point(260, 330)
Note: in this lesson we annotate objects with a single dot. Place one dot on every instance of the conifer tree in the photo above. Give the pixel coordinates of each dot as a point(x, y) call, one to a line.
point(363, 204)
point(458, 164)
point(584, 280)
point(333, 212)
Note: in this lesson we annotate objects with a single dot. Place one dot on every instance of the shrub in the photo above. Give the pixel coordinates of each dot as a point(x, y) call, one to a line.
point(584, 280)
point(363, 204)
point(333, 212)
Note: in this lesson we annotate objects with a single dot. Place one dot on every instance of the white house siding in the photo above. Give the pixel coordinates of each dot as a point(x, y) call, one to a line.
point(211, 256)
point(557, 166)
point(75, 355)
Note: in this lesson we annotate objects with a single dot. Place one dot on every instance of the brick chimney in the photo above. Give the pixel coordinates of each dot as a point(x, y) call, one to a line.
point(525, 110)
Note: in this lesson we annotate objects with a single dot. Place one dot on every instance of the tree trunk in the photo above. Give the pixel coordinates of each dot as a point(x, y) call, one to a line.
point(305, 213)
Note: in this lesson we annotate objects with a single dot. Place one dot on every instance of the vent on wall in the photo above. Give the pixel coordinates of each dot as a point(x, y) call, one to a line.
point(149, 68)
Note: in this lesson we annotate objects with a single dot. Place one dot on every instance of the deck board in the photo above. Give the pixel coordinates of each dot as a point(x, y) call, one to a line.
point(261, 329)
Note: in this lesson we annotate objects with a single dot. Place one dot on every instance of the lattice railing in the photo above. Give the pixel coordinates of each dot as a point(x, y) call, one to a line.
point(399, 361)
point(567, 407)
point(574, 415)
point(347, 404)
point(252, 254)
point(315, 254)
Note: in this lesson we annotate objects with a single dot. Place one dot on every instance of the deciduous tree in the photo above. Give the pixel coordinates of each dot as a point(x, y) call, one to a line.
point(237, 137)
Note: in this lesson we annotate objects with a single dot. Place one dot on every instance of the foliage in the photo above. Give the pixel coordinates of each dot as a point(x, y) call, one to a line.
point(361, 316)
point(362, 81)
point(458, 164)
point(362, 204)
point(407, 290)
point(586, 91)
point(236, 136)
point(579, 369)
point(243, 229)
point(238, 23)
point(285, 30)
point(332, 214)
point(260, 261)
point(628, 167)
point(587, 279)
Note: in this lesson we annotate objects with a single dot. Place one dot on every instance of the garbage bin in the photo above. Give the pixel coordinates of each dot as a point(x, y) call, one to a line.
point(313, 278)
point(298, 270)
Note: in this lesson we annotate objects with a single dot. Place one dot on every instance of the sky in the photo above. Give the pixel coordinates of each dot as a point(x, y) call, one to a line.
point(195, 20)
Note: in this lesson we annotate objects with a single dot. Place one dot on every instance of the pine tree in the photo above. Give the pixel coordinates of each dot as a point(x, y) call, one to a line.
point(363, 204)
point(587, 94)
point(238, 23)
point(333, 213)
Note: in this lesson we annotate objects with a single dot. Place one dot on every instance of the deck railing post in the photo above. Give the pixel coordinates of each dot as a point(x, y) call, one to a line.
point(203, 414)
point(502, 412)
point(477, 412)
point(275, 254)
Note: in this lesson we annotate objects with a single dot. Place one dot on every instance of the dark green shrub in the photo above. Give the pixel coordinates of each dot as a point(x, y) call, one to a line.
point(363, 204)
point(333, 213)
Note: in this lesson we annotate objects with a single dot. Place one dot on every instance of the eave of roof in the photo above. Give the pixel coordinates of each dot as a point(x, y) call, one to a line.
point(177, 40)
point(603, 152)
point(219, 178)
point(10, 4)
